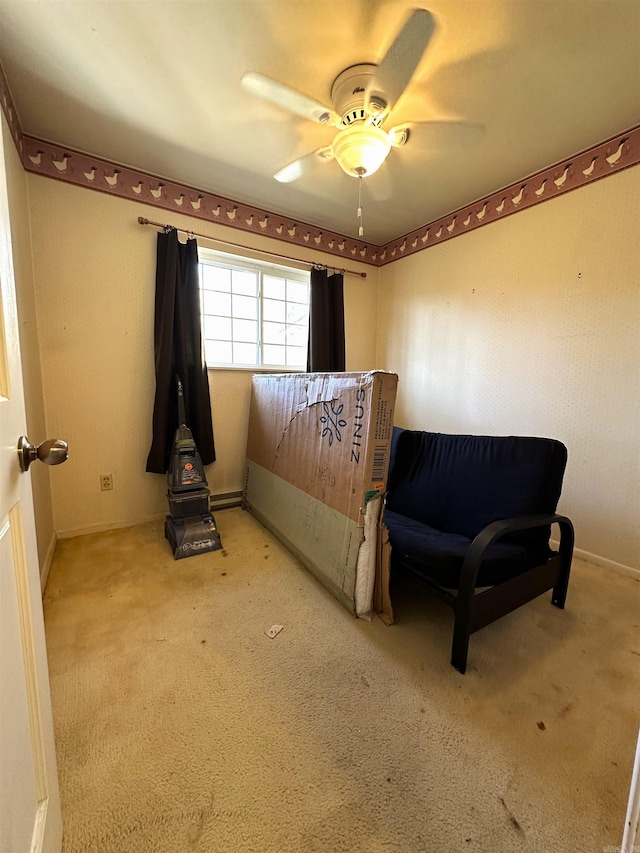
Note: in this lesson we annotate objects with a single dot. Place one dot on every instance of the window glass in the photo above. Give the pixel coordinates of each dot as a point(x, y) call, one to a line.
point(217, 328)
point(218, 351)
point(274, 354)
point(298, 292)
point(245, 353)
point(254, 314)
point(244, 282)
point(274, 311)
point(245, 306)
point(296, 336)
point(216, 278)
point(274, 288)
point(273, 333)
point(297, 313)
point(296, 356)
point(217, 303)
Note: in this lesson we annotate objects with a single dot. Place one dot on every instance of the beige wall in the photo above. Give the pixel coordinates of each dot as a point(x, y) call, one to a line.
point(36, 424)
point(526, 326)
point(95, 278)
point(531, 326)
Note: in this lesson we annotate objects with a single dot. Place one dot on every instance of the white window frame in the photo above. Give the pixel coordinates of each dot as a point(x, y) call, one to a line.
point(262, 269)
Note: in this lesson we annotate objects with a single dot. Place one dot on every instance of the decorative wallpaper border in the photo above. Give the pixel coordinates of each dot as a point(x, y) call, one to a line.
point(65, 164)
point(615, 154)
point(9, 110)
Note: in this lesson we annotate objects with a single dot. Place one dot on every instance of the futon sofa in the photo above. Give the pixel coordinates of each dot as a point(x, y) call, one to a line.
point(471, 516)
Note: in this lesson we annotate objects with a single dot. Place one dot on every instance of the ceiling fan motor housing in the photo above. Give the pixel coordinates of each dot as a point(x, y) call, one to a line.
point(350, 99)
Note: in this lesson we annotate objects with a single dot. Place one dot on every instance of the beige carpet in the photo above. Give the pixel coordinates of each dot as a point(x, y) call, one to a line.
point(182, 727)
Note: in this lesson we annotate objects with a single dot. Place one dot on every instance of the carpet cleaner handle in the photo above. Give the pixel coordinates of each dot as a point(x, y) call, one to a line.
point(182, 418)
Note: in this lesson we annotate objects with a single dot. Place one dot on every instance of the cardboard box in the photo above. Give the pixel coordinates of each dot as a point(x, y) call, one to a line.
point(317, 462)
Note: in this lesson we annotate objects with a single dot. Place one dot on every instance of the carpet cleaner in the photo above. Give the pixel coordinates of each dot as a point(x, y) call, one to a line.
point(190, 527)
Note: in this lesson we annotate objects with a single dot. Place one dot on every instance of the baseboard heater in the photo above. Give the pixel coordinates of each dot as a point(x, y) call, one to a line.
point(225, 500)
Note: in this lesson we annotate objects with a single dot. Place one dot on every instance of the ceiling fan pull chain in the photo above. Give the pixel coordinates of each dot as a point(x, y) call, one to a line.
point(360, 228)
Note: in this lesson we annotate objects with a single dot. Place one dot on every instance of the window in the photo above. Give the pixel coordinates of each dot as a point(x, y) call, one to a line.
point(253, 314)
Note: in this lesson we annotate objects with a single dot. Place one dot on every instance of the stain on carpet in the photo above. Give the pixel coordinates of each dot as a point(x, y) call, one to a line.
point(514, 821)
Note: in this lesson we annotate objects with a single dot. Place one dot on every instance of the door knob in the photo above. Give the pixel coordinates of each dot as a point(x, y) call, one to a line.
point(51, 452)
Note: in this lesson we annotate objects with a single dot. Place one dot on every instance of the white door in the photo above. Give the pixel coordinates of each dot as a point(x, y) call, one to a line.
point(30, 819)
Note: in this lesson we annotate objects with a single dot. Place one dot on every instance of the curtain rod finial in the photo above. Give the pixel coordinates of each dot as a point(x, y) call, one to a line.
point(142, 220)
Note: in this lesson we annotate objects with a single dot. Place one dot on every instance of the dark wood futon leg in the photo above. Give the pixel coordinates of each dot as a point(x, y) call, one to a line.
point(559, 595)
point(460, 647)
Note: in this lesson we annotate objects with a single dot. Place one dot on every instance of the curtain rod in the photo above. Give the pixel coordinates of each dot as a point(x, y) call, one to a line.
point(144, 221)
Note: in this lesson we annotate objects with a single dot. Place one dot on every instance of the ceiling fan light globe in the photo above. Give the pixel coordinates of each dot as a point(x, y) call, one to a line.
point(361, 149)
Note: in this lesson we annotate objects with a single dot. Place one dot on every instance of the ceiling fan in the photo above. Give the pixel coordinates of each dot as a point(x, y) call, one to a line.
point(363, 96)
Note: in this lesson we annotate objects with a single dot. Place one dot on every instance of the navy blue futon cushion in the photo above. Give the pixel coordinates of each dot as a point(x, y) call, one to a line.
point(439, 555)
point(459, 484)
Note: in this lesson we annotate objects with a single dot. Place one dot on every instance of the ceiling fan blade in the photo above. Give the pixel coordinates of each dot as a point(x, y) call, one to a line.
point(283, 96)
point(303, 165)
point(404, 55)
point(439, 135)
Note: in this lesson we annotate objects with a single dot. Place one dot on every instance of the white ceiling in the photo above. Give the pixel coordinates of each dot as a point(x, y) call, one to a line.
point(156, 86)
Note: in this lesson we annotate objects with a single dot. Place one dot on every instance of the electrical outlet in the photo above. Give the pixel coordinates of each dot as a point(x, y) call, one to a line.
point(106, 482)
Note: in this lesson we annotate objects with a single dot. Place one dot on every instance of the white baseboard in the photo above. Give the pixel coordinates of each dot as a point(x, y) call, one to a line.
point(603, 562)
point(46, 563)
point(108, 525)
point(232, 499)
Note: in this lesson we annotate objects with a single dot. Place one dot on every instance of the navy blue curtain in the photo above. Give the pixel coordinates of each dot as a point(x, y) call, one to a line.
point(326, 350)
point(179, 352)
